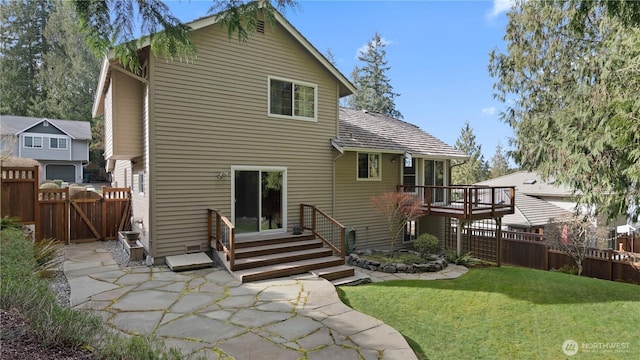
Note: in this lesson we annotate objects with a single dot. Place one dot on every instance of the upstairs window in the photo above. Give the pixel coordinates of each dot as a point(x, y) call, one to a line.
point(58, 143)
point(369, 166)
point(292, 99)
point(34, 142)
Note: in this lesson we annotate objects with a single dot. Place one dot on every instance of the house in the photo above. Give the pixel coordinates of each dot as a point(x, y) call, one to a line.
point(254, 130)
point(61, 147)
point(537, 201)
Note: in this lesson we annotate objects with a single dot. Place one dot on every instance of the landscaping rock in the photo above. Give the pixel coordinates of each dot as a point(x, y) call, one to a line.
point(389, 268)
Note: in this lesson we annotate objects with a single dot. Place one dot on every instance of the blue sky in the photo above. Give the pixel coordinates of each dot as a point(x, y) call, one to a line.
point(437, 51)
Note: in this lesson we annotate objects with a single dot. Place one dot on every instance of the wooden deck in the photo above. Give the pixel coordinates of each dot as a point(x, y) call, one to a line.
point(464, 202)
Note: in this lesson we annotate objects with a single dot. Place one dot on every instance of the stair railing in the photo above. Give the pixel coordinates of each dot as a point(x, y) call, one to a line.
point(222, 234)
point(323, 226)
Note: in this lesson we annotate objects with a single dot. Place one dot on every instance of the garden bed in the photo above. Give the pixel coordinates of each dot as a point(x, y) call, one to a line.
point(403, 262)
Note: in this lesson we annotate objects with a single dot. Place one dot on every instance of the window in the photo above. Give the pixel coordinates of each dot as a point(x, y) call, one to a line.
point(292, 99)
point(58, 143)
point(410, 231)
point(409, 175)
point(434, 176)
point(141, 183)
point(369, 167)
point(33, 142)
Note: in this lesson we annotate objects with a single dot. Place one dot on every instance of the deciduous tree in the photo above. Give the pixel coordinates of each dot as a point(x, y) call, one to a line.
point(575, 235)
point(375, 92)
point(398, 209)
point(570, 77)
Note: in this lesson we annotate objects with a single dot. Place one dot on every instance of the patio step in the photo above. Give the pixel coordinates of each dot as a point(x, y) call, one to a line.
point(288, 268)
point(261, 250)
point(334, 272)
point(246, 241)
point(280, 258)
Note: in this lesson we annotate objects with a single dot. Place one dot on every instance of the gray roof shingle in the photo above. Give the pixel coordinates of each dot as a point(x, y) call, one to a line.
point(366, 130)
point(12, 125)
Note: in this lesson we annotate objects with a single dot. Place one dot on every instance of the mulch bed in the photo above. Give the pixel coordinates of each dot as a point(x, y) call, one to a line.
point(17, 342)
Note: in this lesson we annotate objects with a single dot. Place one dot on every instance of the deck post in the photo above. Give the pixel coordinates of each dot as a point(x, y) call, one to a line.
point(499, 241)
point(460, 228)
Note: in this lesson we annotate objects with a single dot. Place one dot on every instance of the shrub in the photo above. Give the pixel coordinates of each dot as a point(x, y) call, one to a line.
point(465, 259)
point(10, 222)
point(426, 244)
point(49, 185)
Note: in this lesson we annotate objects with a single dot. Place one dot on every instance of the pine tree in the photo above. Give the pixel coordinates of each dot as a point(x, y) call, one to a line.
point(21, 54)
point(375, 92)
point(69, 78)
point(499, 163)
point(475, 169)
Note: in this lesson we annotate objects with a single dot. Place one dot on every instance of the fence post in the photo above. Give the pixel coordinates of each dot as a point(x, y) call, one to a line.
point(546, 257)
point(104, 215)
point(610, 261)
point(499, 240)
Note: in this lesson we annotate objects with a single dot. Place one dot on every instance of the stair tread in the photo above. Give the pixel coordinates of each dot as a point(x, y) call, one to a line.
point(332, 269)
point(268, 257)
point(278, 246)
point(287, 265)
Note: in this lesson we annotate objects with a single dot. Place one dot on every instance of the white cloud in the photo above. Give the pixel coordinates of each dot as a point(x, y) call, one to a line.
point(489, 110)
point(363, 49)
point(499, 7)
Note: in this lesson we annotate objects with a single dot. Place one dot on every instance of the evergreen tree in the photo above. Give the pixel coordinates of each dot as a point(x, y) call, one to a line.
point(21, 54)
point(375, 92)
point(475, 169)
point(69, 78)
point(499, 163)
point(109, 24)
point(569, 77)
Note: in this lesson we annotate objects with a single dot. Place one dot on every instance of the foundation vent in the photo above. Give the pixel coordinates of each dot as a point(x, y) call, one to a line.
point(192, 249)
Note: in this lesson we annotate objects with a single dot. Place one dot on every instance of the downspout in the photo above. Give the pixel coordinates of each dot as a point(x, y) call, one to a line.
point(333, 185)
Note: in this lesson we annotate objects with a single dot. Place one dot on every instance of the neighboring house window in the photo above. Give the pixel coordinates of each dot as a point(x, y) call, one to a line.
point(434, 176)
point(141, 183)
point(292, 99)
point(33, 142)
point(58, 143)
point(369, 166)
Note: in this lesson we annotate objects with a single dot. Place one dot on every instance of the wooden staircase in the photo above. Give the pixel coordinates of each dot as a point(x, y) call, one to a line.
point(277, 255)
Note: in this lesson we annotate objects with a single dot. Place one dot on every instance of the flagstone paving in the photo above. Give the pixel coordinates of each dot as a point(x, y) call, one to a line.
point(209, 314)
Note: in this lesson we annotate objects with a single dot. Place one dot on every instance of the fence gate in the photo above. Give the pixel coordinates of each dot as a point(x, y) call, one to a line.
point(83, 216)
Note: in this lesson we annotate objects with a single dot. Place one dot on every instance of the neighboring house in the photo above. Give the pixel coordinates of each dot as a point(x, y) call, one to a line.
point(537, 201)
point(254, 130)
point(60, 146)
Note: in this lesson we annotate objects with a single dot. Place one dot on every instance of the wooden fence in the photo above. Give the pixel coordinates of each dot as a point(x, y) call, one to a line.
point(68, 216)
point(531, 251)
point(20, 193)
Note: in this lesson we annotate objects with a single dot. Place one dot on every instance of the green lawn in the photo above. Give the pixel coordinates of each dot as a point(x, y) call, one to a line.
point(507, 313)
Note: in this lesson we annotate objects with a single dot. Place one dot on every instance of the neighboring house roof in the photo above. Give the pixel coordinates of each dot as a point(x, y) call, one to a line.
point(15, 125)
point(362, 130)
point(530, 183)
point(531, 211)
point(346, 87)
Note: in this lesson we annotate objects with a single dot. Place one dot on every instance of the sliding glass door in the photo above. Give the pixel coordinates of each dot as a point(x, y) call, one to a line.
point(259, 200)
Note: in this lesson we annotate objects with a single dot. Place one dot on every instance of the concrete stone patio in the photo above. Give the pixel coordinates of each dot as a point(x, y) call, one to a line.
point(208, 314)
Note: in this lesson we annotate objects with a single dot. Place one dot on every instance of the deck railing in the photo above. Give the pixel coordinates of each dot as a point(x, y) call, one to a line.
point(326, 228)
point(222, 233)
point(464, 201)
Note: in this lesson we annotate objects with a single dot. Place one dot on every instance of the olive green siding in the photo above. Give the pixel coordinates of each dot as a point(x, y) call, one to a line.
point(123, 118)
point(353, 197)
point(210, 115)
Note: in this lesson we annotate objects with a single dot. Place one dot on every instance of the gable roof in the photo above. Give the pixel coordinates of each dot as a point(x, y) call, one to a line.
point(531, 211)
point(15, 125)
point(362, 130)
point(345, 86)
point(530, 183)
